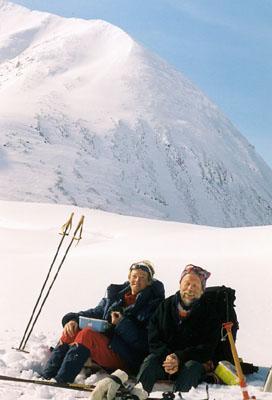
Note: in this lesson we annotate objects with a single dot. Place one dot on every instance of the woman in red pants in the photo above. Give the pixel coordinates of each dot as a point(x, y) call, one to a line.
point(128, 308)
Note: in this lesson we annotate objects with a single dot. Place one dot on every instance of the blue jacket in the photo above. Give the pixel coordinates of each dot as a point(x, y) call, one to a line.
point(130, 337)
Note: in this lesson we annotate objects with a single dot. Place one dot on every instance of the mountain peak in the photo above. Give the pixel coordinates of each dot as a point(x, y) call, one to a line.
point(92, 118)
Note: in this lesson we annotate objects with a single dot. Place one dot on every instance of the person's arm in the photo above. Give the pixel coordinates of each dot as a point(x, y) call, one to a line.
point(96, 312)
point(132, 327)
point(156, 335)
point(133, 332)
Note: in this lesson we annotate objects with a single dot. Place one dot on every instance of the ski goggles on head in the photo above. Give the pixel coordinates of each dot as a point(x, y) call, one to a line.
point(200, 272)
point(144, 267)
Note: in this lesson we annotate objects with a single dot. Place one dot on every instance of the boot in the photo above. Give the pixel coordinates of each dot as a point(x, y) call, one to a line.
point(72, 363)
point(54, 362)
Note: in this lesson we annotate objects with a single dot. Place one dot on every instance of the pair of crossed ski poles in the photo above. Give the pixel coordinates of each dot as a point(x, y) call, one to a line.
point(65, 230)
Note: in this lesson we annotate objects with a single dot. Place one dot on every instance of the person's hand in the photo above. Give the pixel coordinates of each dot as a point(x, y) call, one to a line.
point(108, 387)
point(116, 317)
point(171, 364)
point(70, 329)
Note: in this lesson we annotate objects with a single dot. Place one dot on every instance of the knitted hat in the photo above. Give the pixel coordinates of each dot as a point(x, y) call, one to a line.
point(200, 272)
point(144, 265)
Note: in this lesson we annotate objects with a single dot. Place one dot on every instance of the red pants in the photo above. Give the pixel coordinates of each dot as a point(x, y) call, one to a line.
point(98, 344)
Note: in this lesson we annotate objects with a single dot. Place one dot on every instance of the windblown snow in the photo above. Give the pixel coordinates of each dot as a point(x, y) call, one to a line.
point(91, 118)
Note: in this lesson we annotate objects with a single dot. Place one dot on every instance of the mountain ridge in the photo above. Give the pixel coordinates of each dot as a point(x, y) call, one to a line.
point(90, 117)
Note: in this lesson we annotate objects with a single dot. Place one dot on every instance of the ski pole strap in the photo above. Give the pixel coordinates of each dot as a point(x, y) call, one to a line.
point(116, 380)
point(79, 228)
point(65, 229)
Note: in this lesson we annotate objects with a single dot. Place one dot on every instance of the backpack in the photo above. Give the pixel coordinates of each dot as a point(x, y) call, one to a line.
point(224, 297)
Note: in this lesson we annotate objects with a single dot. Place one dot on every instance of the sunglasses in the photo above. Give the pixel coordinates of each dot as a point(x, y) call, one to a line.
point(202, 273)
point(143, 267)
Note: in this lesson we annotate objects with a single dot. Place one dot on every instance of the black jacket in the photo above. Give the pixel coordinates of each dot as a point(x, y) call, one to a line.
point(192, 338)
point(130, 337)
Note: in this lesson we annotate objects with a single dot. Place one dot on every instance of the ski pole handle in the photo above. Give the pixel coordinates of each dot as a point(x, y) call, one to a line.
point(65, 229)
point(79, 228)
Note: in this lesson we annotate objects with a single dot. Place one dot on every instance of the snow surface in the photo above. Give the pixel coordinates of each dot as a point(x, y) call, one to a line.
point(89, 117)
point(29, 235)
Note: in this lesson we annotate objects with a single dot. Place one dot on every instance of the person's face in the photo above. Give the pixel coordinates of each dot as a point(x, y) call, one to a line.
point(190, 288)
point(138, 280)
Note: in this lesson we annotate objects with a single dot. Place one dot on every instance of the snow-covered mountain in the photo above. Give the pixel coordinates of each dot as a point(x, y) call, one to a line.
point(90, 117)
point(29, 236)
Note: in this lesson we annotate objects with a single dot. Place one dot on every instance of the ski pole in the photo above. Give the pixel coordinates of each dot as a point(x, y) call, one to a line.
point(242, 381)
point(78, 228)
point(65, 230)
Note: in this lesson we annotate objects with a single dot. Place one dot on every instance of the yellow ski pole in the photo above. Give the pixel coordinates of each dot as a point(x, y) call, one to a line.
point(242, 380)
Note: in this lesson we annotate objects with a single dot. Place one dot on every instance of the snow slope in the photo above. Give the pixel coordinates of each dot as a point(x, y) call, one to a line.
point(89, 117)
point(237, 257)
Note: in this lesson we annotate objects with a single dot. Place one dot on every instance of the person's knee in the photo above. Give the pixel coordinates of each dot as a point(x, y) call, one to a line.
point(150, 371)
point(152, 360)
point(90, 339)
point(195, 368)
point(85, 337)
point(86, 332)
point(151, 367)
point(190, 375)
point(194, 365)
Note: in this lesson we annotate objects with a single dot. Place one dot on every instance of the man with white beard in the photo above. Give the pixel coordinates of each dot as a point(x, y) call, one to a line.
point(183, 334)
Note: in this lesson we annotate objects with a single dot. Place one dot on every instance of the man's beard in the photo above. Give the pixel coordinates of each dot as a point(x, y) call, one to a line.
point(189, 302)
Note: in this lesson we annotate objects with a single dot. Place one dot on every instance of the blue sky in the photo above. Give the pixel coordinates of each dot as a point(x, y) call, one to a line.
point(223, 46)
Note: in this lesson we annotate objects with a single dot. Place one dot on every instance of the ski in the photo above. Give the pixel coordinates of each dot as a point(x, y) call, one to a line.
point(72, 386)
point(122, 394)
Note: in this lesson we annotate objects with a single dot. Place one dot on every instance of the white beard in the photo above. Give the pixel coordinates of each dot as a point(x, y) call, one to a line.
point(188, 302)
